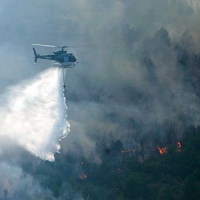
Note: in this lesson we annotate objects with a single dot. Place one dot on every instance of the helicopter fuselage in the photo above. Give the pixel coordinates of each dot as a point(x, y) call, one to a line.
point(64, 58)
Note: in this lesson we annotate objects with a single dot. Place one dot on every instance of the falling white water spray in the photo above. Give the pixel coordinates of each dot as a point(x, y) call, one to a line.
point(33, 115)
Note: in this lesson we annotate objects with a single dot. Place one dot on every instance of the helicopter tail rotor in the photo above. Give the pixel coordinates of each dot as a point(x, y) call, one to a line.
point(36, 55)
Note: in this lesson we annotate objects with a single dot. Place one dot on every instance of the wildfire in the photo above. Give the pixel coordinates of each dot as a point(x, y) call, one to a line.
point(83, 176)
point(178, 144)
point(126, 151)
point(162, 150)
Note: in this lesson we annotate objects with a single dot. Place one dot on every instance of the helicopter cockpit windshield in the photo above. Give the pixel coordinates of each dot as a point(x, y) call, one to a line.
point(71, 57)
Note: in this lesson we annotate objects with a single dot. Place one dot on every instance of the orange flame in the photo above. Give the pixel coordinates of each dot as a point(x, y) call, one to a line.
point(178, 146)
point(83, 176)
point(162, 150)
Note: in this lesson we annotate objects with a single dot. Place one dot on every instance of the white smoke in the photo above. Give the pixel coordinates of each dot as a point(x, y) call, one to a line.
point(33, 115)
point(20, 184)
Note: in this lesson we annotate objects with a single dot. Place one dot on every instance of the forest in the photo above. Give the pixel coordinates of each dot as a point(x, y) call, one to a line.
point(169, 172)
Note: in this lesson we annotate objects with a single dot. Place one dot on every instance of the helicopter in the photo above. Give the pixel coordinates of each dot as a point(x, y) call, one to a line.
point(64, 59)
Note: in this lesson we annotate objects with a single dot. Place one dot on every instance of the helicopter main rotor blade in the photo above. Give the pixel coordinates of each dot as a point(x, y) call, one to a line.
point(59, 46)
point(72, 46)
point(44, 45)
point(47, 45)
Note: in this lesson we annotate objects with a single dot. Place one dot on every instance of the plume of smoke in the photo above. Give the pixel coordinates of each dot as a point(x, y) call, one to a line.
point(116, 79)
point(33, 115)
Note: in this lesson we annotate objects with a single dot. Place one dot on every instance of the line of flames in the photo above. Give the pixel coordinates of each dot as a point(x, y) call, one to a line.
point(161, 150)
point(164, 149)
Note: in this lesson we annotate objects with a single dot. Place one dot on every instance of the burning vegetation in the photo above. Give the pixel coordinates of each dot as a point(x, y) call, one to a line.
point(83, 176)
point(178, 144)
point(120, 170)
point(163, 150)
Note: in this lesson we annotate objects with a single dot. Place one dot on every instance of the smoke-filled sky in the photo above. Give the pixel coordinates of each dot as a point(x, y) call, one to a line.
point(125, 73)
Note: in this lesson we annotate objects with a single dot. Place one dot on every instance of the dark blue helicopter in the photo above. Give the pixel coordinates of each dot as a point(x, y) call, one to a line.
point(63, 58)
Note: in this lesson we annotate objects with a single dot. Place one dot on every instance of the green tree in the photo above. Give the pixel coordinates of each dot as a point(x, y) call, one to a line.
point(134, 187)
point(191, 189)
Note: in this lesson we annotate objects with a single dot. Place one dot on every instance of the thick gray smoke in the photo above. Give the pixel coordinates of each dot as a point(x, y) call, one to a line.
point(128, 74)
point(125, 84)
point(132, 78)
